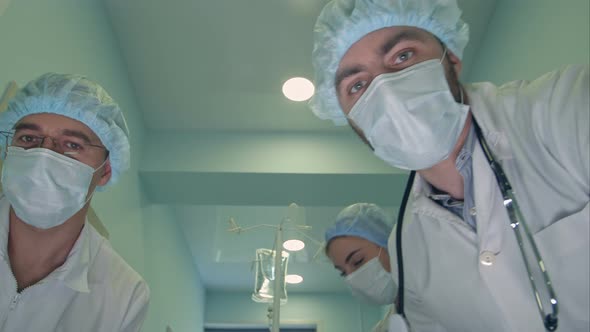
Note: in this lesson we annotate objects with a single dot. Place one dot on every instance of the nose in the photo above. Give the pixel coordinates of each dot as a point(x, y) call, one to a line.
point(348, 270)
point(49, 143)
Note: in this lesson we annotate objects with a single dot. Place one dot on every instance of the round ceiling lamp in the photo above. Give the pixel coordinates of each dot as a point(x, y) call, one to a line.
point(298, 89)
point(293, 245)
point(293, 279)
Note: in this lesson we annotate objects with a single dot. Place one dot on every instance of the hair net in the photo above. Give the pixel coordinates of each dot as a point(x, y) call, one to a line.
point(78, 98)
point(343, 22)
point(364, 220)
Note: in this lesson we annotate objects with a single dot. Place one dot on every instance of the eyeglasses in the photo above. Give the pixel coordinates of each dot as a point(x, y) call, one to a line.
point(67, 145)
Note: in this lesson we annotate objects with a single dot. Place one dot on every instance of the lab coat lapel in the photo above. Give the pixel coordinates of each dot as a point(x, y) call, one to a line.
point(489, 205)
point(506, 277)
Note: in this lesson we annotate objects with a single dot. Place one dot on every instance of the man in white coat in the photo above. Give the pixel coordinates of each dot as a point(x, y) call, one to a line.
point(496, 233)
point(64, 138)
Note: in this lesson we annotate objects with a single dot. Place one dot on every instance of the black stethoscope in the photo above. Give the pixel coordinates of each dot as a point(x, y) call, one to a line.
point(518, 225)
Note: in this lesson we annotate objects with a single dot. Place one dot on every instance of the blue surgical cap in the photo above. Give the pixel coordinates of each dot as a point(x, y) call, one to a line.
point(344, 22)
point(364, 220)
point(78, 98)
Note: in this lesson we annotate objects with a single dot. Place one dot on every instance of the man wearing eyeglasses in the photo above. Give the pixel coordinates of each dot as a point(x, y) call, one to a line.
point(496, 231)
point(63, 138)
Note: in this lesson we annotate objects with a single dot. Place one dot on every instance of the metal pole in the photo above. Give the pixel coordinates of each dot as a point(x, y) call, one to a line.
point(276, 301)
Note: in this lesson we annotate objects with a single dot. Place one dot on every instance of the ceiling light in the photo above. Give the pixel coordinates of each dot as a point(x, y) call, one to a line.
point(293, 245)
point(298, 89)
point(293, 279)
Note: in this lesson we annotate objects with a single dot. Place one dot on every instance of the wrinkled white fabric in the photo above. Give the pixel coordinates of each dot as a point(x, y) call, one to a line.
point(94, 290)
point(410, 117)
point(539, 132)
point(45, 188)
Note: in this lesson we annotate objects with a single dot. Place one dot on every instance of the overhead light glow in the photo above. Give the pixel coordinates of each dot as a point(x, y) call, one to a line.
point(298, 89)
point(294, 279)
point(293, 245)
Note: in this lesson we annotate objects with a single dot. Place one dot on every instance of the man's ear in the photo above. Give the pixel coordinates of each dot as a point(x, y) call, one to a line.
point(106, 175)
point(455, 62)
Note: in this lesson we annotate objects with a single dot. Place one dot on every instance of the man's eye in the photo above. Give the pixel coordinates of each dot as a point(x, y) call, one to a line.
point(72, 145)
point(402, 57)
point(28, 139)
point(357, 87)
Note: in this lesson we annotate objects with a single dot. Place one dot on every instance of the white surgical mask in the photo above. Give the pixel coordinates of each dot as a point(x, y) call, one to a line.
point(45, 188)
point(372, 284)
point(410, 117)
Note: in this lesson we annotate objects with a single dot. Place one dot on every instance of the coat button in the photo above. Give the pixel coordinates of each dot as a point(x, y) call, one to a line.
point(473, 211)
point(487, 258)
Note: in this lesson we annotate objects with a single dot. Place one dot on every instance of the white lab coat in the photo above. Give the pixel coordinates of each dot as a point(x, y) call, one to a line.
point(94, 290)
point(392, 322)
point(539, 132)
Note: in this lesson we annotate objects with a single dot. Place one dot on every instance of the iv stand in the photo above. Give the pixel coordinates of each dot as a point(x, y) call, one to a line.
point(274, 311)
point(276, 299)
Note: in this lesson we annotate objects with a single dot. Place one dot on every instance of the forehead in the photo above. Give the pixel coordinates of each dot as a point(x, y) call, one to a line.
point(340, 247)
point(374, 42)
point(50, 123)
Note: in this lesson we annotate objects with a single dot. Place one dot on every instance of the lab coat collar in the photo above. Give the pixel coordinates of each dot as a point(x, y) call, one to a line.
point(74, 272)
point(484, 101)
point(422, 204)
point(490, 215)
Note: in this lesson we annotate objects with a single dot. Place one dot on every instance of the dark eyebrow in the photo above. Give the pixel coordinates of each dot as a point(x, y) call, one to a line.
point(398, 38)
point(30, 126)
point(347, 72)
point(349, 257)
point(347, 260)
point(76, 133)
point(66, 132)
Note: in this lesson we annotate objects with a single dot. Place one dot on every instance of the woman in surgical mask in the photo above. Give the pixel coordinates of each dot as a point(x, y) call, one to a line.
point(357, 246)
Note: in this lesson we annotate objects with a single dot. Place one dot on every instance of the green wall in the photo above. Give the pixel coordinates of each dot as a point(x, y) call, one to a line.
point(527, 38)
point(177, 292)
point(331, 312)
